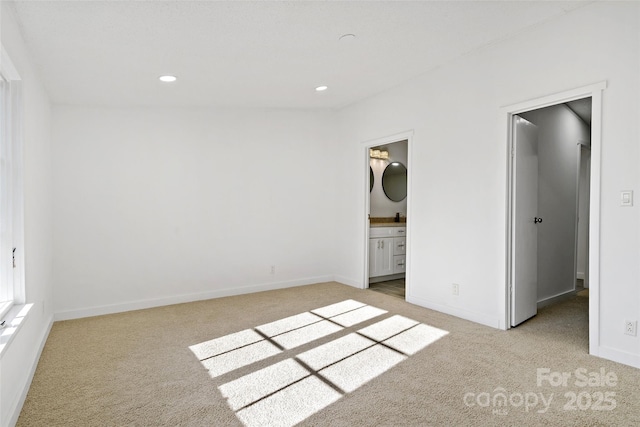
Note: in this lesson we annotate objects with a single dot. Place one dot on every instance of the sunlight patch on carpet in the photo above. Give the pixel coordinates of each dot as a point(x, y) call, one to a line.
point(291, 390)
point(238, 358)
point(307, 334)
point(288, 324)
point(334, 351)
point(351, 373)
point(415, 339)
point(291, 405)
point(227, 343)
point(338, 308)
point(257, 385)
point(387, 328)
point(359, 315)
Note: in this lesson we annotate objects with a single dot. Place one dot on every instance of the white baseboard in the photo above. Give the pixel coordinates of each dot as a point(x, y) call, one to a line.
point(619, 356)
point(556, 298)
point(347, 281)
point(179, 299)
point(480, 318)
point(17, 408)
point(580, 275)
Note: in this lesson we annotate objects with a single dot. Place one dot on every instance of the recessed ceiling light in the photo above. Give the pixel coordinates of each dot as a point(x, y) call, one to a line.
point(321, 88)
point(168, 79)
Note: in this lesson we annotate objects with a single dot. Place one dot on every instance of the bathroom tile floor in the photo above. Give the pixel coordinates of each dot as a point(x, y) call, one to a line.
point(394, 288)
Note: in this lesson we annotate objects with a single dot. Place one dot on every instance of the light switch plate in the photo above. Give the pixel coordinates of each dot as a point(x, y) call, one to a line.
point(626, 198)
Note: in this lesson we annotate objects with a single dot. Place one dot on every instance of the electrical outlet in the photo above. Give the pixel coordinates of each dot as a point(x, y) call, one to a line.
point(455, 289)
point(273, 269)
point(630, 327)
point(626, 198)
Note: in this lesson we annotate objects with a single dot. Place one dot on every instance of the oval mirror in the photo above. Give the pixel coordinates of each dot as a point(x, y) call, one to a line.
point(394, 181)
point(370, 179)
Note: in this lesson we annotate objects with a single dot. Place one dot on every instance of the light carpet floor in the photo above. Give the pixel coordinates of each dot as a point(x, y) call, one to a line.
point(273, 358)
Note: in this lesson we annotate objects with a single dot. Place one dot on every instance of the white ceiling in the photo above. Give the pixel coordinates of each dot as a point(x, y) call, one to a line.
point(255, 54)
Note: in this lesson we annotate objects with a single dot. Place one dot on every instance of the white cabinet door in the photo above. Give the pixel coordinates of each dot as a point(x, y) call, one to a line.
point(381, 257)
point(386, 256)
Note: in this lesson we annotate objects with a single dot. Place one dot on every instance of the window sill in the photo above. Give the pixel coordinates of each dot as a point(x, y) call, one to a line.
point(14, 318)
point(4, 309)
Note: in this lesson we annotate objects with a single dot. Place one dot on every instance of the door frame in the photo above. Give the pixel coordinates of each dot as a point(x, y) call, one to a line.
point(365, 146)
point(507, 112)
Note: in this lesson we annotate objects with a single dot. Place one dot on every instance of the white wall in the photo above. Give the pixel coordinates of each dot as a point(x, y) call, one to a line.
point(457, 217)
point(559, 132)
point(19, 360)
point(379, 204)
point(157, 206)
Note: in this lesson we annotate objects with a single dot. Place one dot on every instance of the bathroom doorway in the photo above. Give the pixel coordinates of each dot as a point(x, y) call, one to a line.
point(387, 208)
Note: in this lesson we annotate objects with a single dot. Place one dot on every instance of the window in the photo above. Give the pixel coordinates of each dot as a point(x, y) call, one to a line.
point(11, 225)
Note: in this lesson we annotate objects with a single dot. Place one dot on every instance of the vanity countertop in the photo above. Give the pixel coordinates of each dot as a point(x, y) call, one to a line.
point(387, 224)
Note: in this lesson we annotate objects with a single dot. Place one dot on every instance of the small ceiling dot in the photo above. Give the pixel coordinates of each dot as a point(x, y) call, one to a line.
point(347, 37)
point(321, 88)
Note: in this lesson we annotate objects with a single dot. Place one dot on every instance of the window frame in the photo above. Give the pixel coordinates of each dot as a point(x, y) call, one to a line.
point(12, 284)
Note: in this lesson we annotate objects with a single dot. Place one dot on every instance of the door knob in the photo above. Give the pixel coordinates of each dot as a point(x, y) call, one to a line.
point(537, 220)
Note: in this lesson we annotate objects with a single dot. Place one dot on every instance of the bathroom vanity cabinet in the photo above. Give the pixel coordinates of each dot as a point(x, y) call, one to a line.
point(387, 251)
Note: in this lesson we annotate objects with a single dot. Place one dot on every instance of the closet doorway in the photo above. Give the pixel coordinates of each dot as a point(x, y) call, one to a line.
point(550, 147)
point(535, 276)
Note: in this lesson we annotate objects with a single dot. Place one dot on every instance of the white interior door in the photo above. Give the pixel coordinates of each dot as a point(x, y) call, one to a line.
point(582, 226)
point(524, 280)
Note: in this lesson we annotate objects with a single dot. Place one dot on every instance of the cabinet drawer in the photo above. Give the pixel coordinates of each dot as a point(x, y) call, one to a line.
point(399, 264)
point(399, 245)
point(381, 232)
point(375, 232)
